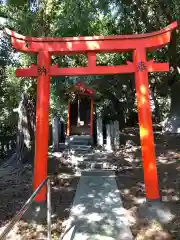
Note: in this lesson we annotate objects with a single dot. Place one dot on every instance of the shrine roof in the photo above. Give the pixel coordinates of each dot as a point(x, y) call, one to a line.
point(82, 88)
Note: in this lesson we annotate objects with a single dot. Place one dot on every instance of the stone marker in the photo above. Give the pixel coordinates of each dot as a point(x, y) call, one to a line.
point(55, 133)
point(99, 132)
point(116, 135)
point(112, 133)
point(108, 138)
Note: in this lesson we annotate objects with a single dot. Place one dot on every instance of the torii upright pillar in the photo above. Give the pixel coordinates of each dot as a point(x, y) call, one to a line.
point(42, 123)
point(145, 124)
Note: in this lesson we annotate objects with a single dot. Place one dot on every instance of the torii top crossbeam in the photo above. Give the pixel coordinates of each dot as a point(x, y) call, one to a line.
point(87, 44)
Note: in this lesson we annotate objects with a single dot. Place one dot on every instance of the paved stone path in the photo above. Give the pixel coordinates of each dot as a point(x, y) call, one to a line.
point(97, 212)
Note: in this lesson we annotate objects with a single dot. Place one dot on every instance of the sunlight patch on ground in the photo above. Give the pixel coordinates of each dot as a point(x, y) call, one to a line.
point(153, 231)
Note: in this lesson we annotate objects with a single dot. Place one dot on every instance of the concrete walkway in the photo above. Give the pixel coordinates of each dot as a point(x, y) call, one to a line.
point(97, 212)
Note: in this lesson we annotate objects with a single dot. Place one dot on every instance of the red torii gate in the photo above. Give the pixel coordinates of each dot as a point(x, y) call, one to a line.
point(139, 44)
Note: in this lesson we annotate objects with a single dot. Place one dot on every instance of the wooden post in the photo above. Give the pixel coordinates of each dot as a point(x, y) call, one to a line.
point(91, 116)
point(116, 135)
point(42, 124)
point(78, 116)
point(69, 120)
point(60, 130)
point(145, 124)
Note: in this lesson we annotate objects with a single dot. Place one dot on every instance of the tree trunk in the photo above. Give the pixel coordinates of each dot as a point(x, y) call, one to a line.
point(118, 108)
point(172, 123)
point(156, 105)
point(25, 131)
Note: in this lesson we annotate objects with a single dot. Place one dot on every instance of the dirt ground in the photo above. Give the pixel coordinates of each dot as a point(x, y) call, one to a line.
point(15, 189)
point(131, 185)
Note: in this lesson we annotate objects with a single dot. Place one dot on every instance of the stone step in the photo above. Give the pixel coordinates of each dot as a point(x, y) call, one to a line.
point(79, 152)
point(81, 143)
point(79, 137)
point(78, 146)
point(94, 165)
point(80, 149)
point(79, 140)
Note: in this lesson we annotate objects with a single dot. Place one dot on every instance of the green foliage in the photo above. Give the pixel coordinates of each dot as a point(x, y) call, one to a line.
point(17, 2)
